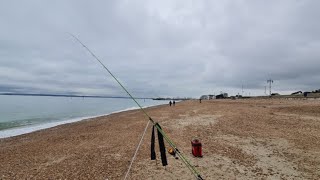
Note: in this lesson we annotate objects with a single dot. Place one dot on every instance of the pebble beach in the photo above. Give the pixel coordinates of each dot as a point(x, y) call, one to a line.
point(241, 139)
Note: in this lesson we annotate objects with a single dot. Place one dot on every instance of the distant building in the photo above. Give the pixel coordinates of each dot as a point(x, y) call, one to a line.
point(275, 94)
point(238, 96)
point(297, 93)
point(220, 96)
point(210, 96)
point(204, 97)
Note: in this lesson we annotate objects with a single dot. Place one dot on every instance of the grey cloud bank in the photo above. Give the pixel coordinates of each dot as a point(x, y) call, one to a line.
point(164, 48)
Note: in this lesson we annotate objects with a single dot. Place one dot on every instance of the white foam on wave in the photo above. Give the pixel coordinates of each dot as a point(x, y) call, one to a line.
point(28, 129)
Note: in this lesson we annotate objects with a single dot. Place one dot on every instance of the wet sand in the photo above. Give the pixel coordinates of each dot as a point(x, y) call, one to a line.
point(242, 139)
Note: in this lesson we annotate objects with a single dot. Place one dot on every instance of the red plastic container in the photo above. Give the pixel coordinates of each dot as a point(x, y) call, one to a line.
point(196, 148)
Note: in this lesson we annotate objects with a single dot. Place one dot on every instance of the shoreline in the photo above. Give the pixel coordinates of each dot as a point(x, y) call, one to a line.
point(12, 132)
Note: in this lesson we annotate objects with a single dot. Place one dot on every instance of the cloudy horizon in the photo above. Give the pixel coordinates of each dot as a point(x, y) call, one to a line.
point(164, 48)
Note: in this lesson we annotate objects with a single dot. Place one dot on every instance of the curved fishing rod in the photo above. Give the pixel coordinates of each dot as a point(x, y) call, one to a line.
point(184, 159)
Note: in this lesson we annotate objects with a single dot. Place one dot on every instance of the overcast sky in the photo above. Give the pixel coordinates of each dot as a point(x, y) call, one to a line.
point(159, 48)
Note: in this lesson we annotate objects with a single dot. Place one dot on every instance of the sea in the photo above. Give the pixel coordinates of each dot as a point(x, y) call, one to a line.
point(25, 114)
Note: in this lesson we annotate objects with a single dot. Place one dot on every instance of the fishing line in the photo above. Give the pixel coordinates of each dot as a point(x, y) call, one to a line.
point(184, 159)
point(136, 152)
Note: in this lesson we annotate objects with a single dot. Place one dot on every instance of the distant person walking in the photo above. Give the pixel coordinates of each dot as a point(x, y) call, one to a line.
point(200, 100)
point(170, 103)
point(174, 103)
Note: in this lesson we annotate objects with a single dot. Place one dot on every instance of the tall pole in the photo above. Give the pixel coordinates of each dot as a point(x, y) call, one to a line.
point(242, 90)
point(270, 81)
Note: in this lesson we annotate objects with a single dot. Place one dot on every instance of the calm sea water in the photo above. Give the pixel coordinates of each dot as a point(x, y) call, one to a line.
point(23, 114)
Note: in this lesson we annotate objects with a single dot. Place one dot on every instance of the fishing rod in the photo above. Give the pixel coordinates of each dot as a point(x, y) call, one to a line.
point(155, 124)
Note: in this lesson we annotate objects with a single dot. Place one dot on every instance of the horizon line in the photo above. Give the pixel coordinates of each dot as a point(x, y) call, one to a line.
point(70, 95)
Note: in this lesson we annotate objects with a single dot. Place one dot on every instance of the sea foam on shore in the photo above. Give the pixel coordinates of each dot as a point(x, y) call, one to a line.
point(29, 129)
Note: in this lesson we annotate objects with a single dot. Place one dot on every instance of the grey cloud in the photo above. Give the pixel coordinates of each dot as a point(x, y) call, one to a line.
point(170, 48)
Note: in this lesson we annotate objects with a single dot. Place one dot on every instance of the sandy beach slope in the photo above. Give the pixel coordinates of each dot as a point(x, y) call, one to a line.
point(242, 139)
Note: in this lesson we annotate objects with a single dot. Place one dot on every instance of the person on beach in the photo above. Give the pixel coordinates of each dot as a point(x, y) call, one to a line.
point(174, 103)
point(170, 103)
